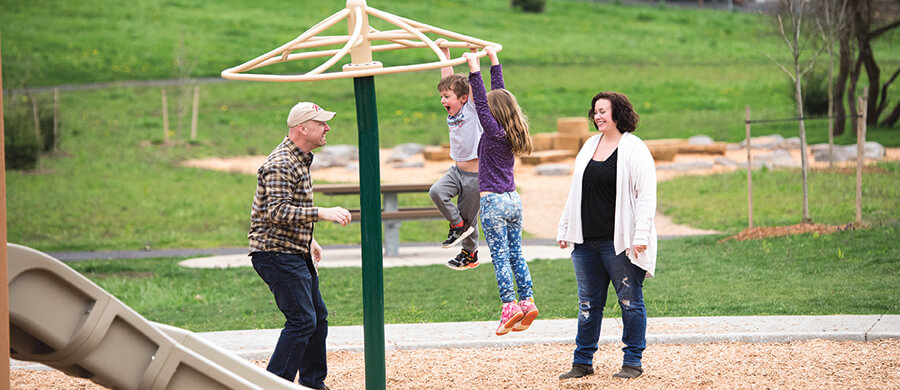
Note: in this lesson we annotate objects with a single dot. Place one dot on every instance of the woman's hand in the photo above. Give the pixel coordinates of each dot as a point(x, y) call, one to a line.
point(638, 249)
point(474, 63)
point(563, 244)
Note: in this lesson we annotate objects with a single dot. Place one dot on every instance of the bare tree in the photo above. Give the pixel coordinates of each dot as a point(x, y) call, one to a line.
point(856, 56)
point(831, 20)
point(790, 24)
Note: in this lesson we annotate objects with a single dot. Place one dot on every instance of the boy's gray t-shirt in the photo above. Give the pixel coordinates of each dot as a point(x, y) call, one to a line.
point(465, 132)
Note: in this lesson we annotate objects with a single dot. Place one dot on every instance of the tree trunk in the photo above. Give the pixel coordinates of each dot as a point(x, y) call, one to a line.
point(892, 118)
point(804, 163)
point(866, 57)
point(851, 94)
point(840, 86)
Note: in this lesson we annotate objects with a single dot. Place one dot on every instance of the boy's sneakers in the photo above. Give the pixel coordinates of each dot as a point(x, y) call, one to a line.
point(510, 315)
point(457, 234)
point(464, 260)
point(531, 312)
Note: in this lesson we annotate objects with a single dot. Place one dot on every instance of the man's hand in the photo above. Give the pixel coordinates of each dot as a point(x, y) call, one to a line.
point(563, 244)
point(336, 214)
point(474, 64)
point(316, 252)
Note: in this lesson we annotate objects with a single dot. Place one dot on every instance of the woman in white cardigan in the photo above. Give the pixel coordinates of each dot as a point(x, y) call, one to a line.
point(609, 218)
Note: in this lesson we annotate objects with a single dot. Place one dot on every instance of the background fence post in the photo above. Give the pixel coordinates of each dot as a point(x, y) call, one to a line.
point(749, 174)
point(55, 120)
point(194, 112)
point(165, 112)
point(37, 122)
point(860, 150)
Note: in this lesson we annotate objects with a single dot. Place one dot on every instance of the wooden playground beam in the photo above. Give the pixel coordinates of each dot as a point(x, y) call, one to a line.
point(4, 287)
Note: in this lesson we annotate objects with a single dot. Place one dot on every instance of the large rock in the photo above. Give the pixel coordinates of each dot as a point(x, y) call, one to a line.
point(553, 169)
point(778, 159)
point(335, 156)
point(686, 166)
point(765, 142)
point(403, 151)
point(700, 139)
point(872, 150)
point(341, 155)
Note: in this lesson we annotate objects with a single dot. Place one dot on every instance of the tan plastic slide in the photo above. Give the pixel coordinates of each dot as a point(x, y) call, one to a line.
point(59, 318)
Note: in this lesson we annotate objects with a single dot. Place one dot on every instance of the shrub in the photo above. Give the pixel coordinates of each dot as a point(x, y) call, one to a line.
point(815, 93)
point(21, 144)
point(533, 6)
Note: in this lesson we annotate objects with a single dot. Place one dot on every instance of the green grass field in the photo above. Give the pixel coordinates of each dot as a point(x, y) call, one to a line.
point(114, 186)
point(850, 272)
point(688, 72)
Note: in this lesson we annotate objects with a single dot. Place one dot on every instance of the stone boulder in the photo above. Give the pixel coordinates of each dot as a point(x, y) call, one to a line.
point(553, 169)
point(872, 150)
point(403, 151)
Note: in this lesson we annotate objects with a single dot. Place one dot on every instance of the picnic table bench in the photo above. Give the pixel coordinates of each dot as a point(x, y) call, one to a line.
point(391, 215)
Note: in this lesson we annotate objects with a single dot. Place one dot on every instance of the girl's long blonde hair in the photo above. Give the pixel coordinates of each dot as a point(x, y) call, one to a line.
point(507, 112)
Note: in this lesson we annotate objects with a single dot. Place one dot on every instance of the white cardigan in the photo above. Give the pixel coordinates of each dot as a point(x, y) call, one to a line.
point(635, 200)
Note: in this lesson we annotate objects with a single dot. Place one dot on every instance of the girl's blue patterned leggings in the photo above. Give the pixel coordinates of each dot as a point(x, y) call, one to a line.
point(501, 221)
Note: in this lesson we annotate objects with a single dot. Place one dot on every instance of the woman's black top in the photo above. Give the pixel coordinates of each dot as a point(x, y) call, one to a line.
point(598, 199)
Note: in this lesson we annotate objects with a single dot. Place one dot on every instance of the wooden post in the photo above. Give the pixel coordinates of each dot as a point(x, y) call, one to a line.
point(165, 112)
point(194, 112)
point(749, 174)
point(37, 122)
point(860, 150)
point(4, 286)
point(55, 120)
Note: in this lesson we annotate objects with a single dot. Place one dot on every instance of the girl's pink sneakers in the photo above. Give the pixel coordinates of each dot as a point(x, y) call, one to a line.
point(510, 315)
point(531, 312)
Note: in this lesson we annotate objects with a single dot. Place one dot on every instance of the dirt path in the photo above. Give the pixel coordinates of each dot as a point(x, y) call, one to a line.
point(543, 197)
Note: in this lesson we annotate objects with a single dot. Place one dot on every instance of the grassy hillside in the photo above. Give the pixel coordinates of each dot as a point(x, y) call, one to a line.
point(114, 187)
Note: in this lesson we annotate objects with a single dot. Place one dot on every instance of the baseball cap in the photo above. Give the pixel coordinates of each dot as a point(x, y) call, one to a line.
point(306, 111)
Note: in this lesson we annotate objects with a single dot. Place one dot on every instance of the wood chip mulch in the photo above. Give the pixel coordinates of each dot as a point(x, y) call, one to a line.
point(775, 231)
point(811, 364)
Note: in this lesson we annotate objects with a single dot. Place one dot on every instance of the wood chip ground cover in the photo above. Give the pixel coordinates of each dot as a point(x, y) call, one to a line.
point(811, 364)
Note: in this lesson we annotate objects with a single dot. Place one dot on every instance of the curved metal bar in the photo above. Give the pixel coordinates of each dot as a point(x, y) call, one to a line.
point(352, 41)
point(409, 28)
point(319, 27)
point(393, 19)
point(353, 73)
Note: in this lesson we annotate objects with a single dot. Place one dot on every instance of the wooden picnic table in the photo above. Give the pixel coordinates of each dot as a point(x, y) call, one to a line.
point(391, 214)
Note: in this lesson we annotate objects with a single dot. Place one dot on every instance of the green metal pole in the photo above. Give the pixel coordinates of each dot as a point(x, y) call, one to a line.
point(370, 209)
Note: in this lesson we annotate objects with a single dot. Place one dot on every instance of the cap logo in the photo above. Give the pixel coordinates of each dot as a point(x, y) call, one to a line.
point(315, 107)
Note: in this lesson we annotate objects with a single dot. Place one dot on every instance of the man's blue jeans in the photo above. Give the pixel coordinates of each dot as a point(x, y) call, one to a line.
point(596, 265)
point(301, 346)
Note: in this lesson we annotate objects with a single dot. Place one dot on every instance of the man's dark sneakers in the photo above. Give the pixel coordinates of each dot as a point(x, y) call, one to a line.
point(578, 370)
point(457, 234)
point(629, 372)
point(463, 261)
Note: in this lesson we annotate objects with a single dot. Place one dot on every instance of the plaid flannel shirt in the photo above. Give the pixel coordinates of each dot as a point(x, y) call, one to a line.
point(282, 216)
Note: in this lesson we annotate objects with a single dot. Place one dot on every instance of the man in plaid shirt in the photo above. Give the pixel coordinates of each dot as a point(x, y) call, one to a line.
point(283, 250)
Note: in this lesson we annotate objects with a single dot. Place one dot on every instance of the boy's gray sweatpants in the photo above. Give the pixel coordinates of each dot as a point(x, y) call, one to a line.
point(464, 186)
